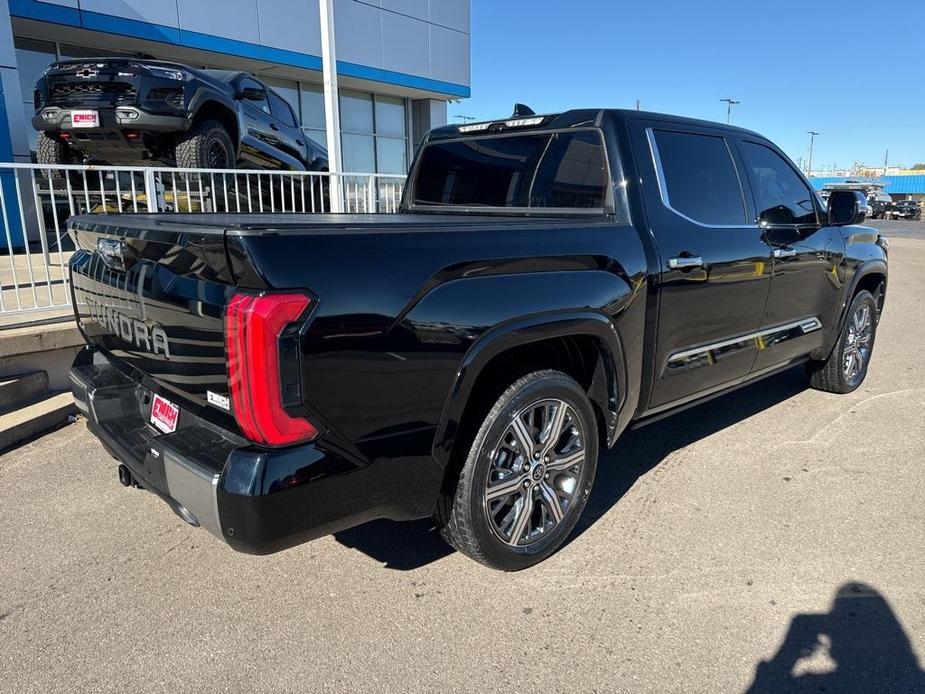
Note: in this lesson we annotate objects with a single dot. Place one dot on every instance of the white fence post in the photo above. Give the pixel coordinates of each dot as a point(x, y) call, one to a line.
point(151, 192)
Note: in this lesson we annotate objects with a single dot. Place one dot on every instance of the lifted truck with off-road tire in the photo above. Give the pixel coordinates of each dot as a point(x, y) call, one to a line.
point(123, 111)
point(549, 282)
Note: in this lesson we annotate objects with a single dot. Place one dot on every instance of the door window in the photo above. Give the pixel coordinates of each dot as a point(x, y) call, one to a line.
point(780, 194)
point(699, 179)
point(280, 110)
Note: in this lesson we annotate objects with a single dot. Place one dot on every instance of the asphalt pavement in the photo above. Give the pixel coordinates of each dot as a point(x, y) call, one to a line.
point(769, 541)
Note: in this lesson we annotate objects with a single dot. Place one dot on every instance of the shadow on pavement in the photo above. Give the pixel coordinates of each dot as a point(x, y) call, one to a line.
point(858, 646)
point(410, 545)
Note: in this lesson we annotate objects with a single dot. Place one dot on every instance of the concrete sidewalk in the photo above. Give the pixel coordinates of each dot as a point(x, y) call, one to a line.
point(776, 533)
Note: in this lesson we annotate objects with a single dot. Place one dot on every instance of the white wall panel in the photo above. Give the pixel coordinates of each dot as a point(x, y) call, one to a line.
point(405, 44)
point(230, 19)
point(162, 12)
point(294, 25)
point(451, 13)
point(418, 9)
point(449, 55)
point(359, 38)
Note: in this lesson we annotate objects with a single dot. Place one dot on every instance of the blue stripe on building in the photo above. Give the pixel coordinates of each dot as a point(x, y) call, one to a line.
point(46, 12)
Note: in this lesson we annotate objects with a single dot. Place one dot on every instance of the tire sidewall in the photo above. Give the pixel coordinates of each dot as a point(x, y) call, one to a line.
point(213, 134)
point(862, 297)
point(557, 386)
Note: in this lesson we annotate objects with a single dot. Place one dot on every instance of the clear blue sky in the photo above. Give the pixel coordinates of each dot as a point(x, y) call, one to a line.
point(854, 71)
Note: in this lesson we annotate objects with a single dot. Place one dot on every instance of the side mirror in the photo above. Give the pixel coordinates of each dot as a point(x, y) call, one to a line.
point(252, 94)
point(847, 207)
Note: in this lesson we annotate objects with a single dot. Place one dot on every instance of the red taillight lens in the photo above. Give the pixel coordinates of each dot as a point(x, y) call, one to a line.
point(252, 329)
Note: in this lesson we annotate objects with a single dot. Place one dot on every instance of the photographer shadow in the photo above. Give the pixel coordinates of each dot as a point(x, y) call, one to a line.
point(858, 646)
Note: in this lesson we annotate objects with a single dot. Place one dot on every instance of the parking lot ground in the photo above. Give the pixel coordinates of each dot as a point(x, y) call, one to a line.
point(771, 540)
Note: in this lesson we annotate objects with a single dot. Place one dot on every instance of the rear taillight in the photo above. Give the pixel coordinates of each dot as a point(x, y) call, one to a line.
point(253, 325)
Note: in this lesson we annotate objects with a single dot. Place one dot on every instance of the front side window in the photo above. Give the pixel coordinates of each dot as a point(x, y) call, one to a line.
point(541, 170)
point(699, 178)
point(280, 110)
point(780, 194)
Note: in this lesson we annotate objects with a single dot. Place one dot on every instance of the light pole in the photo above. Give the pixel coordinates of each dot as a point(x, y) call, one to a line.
point(729, 104)
point(331, 104)
point(812, 138)
point(465, 119)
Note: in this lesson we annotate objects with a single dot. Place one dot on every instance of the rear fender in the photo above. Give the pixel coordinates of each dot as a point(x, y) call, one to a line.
point(605, 390)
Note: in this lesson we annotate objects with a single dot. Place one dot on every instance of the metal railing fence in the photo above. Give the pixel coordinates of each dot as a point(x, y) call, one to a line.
point(36, 201)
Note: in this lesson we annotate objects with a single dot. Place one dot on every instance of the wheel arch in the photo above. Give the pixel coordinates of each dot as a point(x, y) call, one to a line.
point(211, 109)
point(871, 276)
point(583, 344)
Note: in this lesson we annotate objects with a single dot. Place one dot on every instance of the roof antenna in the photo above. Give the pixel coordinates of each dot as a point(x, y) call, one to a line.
point(521, 110)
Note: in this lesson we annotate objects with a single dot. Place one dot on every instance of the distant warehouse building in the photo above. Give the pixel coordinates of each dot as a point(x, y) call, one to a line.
point(901, 187)
point(398, 61)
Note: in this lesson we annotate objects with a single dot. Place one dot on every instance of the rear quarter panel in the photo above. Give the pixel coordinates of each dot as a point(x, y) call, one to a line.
point(398, 311)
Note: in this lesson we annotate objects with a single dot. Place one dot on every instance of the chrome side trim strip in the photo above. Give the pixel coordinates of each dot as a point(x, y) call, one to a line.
point(698, 356)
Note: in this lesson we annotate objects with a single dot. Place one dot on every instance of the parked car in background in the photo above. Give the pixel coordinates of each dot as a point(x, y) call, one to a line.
point(907, 209)
point(551, 281)
point(131, 111)
point(879, 204)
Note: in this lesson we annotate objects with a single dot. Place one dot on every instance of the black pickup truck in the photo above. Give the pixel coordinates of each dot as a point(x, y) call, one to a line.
point(133, 111)
point(549, 282)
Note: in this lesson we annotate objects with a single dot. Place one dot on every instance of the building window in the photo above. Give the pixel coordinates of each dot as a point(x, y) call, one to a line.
point(312, 103)
point(374, 131)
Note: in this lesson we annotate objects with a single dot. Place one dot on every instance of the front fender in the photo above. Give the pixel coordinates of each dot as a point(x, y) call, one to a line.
point(605, 391)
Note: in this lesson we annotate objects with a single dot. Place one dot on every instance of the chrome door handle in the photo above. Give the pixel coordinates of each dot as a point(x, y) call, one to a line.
point(685, 263)
point(784, 252)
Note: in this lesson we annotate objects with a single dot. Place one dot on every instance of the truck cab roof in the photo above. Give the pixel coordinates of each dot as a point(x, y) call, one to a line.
point(573, 118)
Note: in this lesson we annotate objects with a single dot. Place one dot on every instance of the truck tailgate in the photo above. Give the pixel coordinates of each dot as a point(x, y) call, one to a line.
point(152, 296)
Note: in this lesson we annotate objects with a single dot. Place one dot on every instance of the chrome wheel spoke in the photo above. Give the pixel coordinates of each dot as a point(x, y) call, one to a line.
point(554, 428)
point(523, 436)
point(505, 487)
point(551, 502)
point(524, 512)
point(566, 461)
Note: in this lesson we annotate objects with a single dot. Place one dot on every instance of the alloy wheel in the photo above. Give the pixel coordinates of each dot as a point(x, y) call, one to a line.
point(534, 472)
point(858, 342)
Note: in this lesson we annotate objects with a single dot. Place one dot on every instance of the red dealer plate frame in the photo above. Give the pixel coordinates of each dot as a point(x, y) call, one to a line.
point(164, 415)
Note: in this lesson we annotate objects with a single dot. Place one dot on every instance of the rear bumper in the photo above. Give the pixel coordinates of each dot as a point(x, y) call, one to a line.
point(258, 501)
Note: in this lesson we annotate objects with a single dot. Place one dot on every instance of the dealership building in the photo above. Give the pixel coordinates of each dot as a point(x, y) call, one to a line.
point(398, 61)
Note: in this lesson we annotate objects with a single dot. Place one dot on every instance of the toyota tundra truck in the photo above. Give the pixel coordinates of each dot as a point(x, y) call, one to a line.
point(548, 282)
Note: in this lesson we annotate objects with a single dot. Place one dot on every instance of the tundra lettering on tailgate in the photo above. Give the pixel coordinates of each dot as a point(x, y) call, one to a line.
point(150, 338)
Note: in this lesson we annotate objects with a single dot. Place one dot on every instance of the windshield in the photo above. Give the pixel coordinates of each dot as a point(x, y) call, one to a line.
point(559, 170)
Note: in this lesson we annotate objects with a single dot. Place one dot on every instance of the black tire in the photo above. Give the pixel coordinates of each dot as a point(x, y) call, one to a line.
point(48, 150)
point(206, 145)
point(838, 374)
point(472, 523)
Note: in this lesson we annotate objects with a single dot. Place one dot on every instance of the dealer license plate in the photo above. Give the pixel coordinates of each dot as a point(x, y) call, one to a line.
point(85, 119)
point(164, 414)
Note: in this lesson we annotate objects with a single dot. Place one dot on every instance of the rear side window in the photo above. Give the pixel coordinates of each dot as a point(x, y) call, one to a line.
point(780, 194)
point(699, 177)
point(542, 170)
point(280, 109)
